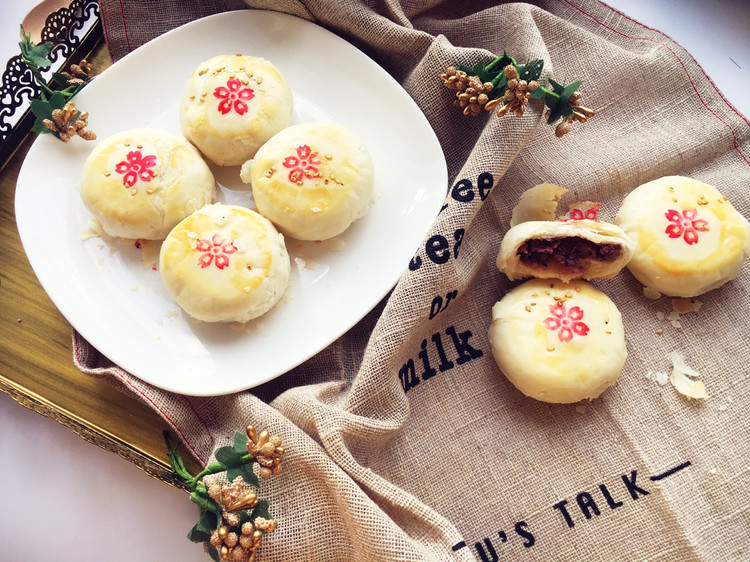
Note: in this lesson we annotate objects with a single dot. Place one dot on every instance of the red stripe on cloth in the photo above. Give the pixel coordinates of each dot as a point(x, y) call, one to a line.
point(125, 26)
point(695, 89)
point(118, 372)
point(164, 414)
point(203, 422)
point(105, 29)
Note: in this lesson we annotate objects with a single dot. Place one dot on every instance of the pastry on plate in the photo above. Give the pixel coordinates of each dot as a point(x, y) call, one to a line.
point(689, 239)
point(232, 104)
point(225, 263)
point(140, 183)
point(568, 249)
point(312, 180)
point(558, 342)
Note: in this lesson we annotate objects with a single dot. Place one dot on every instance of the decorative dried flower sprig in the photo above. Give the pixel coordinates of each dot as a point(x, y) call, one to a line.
point(54, 111)
point(505, 83)
point(232, 519)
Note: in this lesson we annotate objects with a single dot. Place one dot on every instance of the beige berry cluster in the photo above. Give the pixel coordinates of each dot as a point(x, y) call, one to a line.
point(241, 546)
point(516, 96)
point(580, 113)
point(232, 498)
point(68, 122)
point(471, 93)
point(79, 73)
point(267, 450)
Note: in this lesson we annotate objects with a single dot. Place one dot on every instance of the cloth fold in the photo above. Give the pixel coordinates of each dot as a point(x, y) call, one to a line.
point(403, 441)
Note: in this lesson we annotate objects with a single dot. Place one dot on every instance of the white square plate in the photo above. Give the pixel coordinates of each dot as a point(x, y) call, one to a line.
point(121, 307)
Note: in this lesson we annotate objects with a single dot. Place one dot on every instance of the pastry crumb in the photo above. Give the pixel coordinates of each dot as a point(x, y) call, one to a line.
point(684, 306)
point(651, 294)
point(684, 378)
point(335, 244)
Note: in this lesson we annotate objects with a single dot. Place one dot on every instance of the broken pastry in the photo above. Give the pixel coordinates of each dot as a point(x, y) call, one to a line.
point(225, 263)
point(538, 203)
point(565, 250)
point(232, 104)
point(558, 342)
point(689, 238)
point(312, 180)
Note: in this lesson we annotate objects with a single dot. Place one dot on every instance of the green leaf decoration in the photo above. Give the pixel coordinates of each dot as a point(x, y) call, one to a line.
point(198, 535)
point(561, 107)
point(178, 466)
point(538, 93)
point(228, 457)
point(557, 88)
point(213, 553)
point(248, 474)
point(208, 522)
point(205, 502)
point(41, 109)
point(245, 516)
point(240, 442)
point(61, 80)
point(557, 110)
point(234, 461)
point(500, 86)
point(532, 70)
point(40, 128)
point(569, 90)
point(261, 510)
point(501, 62)
point(233, 473)
point(476, 70)
point(36, 55)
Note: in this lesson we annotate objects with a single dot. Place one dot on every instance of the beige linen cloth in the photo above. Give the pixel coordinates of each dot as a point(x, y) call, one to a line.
point(450, 462)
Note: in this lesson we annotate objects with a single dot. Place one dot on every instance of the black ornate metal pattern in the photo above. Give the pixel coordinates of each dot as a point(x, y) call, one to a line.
point(18, 87)
point(62, 29)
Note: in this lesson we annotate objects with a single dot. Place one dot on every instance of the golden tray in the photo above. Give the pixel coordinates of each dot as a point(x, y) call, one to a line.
point(36, 366)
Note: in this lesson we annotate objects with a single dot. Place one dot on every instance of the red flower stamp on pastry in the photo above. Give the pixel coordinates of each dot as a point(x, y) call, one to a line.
point(579, 215)
point(136, 167)
point(685, 224)
point(566, 322)
point(585, 210)
point(233, 96)
point(303, 164)
point(215, 251)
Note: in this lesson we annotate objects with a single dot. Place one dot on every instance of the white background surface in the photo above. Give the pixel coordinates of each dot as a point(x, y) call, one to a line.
point(64, 499)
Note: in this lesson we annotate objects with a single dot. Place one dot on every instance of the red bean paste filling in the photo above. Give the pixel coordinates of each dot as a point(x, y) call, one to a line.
point(567, 252)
